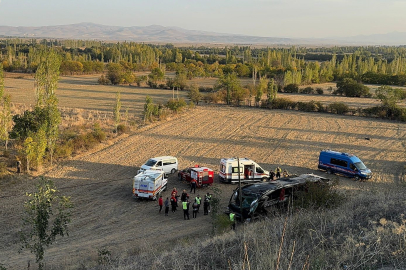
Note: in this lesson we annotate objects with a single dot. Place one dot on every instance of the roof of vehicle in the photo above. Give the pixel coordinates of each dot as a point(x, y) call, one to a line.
point(149, 174)
point(162, 157)
point(341, 154)
point(242, 160)
point(261, 188)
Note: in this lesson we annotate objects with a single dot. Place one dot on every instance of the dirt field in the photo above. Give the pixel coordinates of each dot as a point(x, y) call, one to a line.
point(100, 183)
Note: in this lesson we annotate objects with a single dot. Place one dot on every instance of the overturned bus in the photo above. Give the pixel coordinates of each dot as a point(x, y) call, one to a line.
point(259, 198)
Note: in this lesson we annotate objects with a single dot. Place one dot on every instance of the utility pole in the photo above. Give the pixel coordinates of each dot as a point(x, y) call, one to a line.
point(239, 188)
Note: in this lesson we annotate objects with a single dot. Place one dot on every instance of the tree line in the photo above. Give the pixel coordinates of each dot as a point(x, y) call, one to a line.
point(297, 65)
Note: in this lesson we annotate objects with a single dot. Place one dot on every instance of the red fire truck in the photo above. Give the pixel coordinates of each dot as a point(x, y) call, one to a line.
point(204, 176)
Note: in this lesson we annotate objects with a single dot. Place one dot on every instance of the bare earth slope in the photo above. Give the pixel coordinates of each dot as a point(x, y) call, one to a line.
point(106, 216)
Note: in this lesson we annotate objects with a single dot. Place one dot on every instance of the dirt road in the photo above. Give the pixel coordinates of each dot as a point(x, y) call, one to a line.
point(100, 183)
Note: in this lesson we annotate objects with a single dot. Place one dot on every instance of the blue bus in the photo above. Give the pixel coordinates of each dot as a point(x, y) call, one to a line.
point(343, 163)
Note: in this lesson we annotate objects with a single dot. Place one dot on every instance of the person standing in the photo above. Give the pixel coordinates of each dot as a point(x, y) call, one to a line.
point(278, 172)
point(271, 176)
point(184, 196)
point(173, 203)
point(198, 201)
point(209, 200)
point(195, 208)
point(193, 184)
point(160, 203)
point(206, 205)
point(185, 206)
point(18, 166)
point(232, 220)
point(166, 206)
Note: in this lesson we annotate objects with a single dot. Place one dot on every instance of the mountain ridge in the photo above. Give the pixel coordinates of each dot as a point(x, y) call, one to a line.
point(163, 34)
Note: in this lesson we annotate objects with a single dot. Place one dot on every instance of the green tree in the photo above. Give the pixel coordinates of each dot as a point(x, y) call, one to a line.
point(150, 109)
point(5, 113)
point(29, 152)
point(115, 73)
point(272, 91)
point(351, 88)
point(260, 89)
point(194, 94)
point(230, 84)
point(116, 112)
point(5, 119)
point(155, 76)
point(47, 76)
point(46, 216)
point(53, 121)
point(389, 96)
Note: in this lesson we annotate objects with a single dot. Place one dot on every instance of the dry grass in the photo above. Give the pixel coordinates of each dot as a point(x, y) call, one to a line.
point(99, 182)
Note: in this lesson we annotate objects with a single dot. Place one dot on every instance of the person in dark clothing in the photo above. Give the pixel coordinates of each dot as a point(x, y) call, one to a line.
point(174, 204)
point(206, 204)
point(193, 185)
point(18, 166)
point(195, 208)
point(271, 176)
point(166, 206)
point(184, 196)
point(185, 206)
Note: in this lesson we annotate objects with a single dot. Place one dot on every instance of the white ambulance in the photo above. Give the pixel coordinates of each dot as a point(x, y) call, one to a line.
point(149, 184)
point(249, 170)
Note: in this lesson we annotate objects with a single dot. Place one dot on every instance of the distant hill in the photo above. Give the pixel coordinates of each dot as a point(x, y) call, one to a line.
point(161, 34)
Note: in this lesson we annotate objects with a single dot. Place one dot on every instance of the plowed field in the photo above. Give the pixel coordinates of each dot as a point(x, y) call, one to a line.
point(100, 183)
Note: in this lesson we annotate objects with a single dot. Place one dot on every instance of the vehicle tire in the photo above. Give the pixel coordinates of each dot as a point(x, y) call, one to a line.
point(264, 179)
point(328, 171)
point(173, 171)
point(356, 178)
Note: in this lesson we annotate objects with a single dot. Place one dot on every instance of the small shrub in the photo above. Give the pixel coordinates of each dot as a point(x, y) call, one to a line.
point(98, 134)
point(103, 80)
point(176, 105)
point(122, 129)
point(291, 88)
point(318, 195)
point(162, 86)
point(319, 91)
point(338, 108)
point(213, 97)
point(307, 90)
point(64, 150)
point(283, 103)
point(104, 256)
point(310, 106)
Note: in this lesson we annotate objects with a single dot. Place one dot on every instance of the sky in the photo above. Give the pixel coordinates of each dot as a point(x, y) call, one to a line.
point(267, 18)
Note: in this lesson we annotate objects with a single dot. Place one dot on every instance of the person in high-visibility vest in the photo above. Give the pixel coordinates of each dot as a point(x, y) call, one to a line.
point(278, 172)
point(185, 205)
point(198, 201)
point(232, 219)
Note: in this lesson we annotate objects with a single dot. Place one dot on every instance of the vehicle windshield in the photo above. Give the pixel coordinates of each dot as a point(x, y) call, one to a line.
point(151, 163)
point(360, 165)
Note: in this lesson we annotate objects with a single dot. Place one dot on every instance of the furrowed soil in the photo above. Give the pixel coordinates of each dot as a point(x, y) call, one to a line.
point(106, 217)
point(100, 183)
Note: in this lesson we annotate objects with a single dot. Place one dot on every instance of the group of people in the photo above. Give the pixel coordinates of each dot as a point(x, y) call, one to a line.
point(273, 175)
point(185, 203)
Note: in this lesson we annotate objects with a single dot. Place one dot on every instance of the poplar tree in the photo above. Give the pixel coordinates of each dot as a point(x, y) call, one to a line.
point(116, 112)
point(5, 113)
point(46, 79)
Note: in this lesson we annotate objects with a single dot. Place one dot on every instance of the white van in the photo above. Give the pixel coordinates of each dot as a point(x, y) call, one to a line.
point(167, 164)
point(249, 170)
